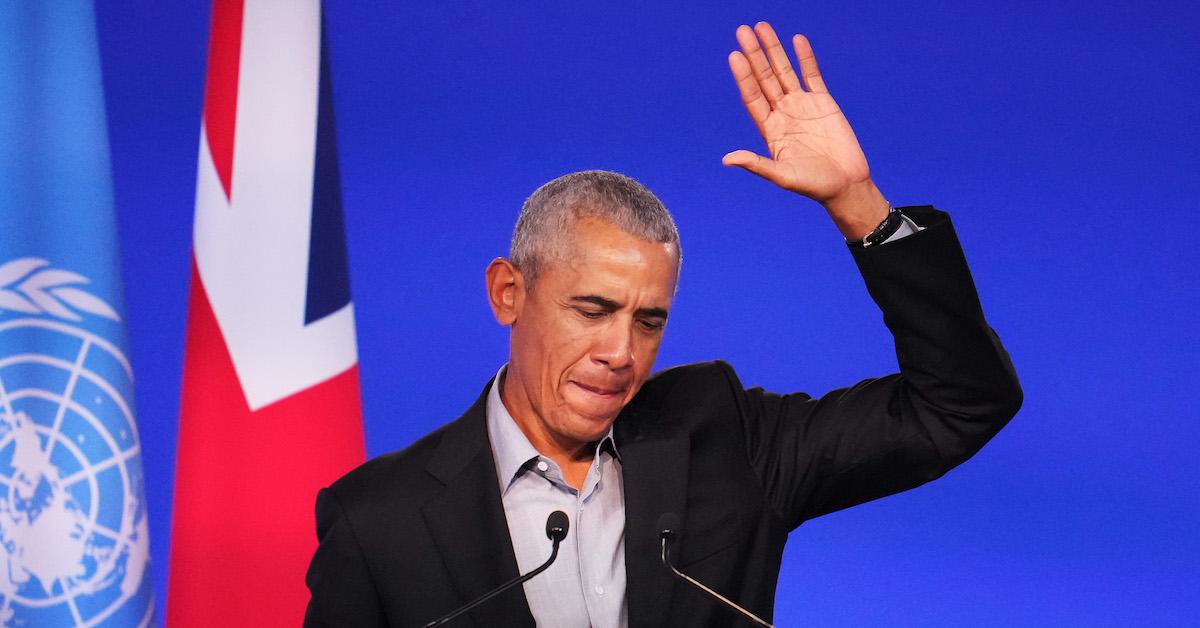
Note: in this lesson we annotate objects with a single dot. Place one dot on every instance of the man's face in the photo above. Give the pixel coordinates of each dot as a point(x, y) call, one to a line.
point(584, 338)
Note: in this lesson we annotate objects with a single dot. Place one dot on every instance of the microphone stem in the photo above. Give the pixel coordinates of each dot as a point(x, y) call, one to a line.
point(504, 587)
point(666, 558)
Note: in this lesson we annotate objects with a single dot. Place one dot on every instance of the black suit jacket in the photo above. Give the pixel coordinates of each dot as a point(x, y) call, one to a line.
point(410, 536)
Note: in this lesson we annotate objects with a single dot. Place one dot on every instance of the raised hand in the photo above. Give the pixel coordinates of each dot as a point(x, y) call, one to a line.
point(813, 149)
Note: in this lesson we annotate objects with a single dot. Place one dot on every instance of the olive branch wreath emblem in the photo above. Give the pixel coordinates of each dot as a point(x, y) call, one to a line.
point(28, 285)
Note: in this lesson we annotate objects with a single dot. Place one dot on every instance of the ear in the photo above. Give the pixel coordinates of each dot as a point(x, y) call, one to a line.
point(505, 289)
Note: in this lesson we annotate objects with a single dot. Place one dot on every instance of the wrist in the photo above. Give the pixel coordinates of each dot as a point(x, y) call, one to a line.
point(890, 227)
point(858, 210)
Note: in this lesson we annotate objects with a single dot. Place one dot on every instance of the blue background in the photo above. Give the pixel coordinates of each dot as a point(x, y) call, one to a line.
point(1062, 137)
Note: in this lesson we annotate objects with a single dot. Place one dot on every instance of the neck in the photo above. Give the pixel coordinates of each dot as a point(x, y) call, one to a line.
point(562, 451)
point(573, 457)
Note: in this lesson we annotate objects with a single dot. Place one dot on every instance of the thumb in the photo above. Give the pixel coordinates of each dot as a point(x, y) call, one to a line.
point(766, 168)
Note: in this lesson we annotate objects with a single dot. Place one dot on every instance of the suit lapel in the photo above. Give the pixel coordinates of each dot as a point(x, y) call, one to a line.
point(654, 464)
point(470, 531)
point(467, 521)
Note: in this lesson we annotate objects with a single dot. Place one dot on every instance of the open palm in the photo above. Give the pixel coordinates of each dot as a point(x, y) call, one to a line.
point(813, 149)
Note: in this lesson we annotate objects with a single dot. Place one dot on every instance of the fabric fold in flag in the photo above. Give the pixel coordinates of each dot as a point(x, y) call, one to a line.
point(270, 409)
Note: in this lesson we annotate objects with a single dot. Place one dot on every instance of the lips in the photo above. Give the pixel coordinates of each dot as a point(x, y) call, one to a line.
point(600, 391)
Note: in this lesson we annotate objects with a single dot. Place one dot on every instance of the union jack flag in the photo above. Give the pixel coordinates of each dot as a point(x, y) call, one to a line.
point(270, 408)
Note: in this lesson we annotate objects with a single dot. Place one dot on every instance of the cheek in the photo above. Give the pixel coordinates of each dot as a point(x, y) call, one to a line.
point(647, 349)
point(647, 352)
point(562, 353)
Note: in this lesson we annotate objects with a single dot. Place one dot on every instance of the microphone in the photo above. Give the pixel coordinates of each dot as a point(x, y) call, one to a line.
point(669, 530)
point(557, 526)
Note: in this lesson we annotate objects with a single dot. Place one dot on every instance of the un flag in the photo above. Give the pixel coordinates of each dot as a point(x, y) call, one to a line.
point(73, 526)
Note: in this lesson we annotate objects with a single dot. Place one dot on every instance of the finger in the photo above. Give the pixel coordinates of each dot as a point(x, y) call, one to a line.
point(808, 65)
point(752, 96)
point(778, 58)
point(758, 64)
point(759, 165)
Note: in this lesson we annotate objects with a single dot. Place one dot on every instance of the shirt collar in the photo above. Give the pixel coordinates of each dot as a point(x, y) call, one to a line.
point(510, 448)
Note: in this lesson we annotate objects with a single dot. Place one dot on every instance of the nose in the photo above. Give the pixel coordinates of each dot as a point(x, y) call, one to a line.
point(614, 347)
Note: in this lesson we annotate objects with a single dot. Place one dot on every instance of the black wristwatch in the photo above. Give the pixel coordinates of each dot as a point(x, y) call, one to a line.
point(885, 230)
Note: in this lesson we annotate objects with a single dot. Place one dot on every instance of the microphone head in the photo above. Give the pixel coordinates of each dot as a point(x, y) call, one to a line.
point(668, 525)
point(557, 525)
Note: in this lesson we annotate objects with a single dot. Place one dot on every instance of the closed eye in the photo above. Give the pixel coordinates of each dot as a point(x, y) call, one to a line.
point(652, 324)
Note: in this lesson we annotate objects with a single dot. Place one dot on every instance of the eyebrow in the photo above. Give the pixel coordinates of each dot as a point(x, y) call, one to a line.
point(611, 306)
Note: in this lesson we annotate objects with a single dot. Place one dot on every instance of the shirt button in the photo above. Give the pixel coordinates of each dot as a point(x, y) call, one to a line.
point(599, 590)
point(542, 466)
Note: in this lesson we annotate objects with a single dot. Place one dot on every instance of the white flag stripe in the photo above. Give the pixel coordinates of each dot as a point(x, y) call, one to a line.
point(252, 251)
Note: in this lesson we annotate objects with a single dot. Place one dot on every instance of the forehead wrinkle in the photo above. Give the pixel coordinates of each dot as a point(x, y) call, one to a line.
point(567, 250)
point(597, 252)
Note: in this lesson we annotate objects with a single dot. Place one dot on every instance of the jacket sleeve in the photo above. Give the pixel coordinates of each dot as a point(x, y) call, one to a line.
point(341, 589)
point(956, 388)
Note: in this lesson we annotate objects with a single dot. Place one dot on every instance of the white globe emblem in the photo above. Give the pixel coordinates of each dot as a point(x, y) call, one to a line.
point(73, 528)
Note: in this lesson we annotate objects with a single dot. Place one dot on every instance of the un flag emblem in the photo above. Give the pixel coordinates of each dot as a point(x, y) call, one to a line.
point(73, 526)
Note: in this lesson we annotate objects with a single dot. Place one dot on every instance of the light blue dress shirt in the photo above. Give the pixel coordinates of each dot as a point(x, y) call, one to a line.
point(585, 587)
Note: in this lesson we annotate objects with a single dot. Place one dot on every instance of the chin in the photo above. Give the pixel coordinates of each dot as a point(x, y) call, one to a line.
point(590, 428)
point(585, 409)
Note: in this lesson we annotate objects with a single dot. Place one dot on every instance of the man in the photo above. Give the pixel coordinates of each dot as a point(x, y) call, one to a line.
point(574, 423)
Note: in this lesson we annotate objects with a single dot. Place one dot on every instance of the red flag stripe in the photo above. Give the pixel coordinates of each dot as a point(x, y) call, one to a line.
point(245, 485)
point(221, 89)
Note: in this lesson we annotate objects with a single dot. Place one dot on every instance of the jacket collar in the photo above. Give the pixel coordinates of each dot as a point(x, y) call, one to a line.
point(467, 520)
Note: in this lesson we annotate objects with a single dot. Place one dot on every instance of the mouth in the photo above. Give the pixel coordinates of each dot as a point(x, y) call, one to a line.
point(600, 391)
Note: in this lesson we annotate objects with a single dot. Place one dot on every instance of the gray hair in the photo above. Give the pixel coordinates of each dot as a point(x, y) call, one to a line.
point(543, 231)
